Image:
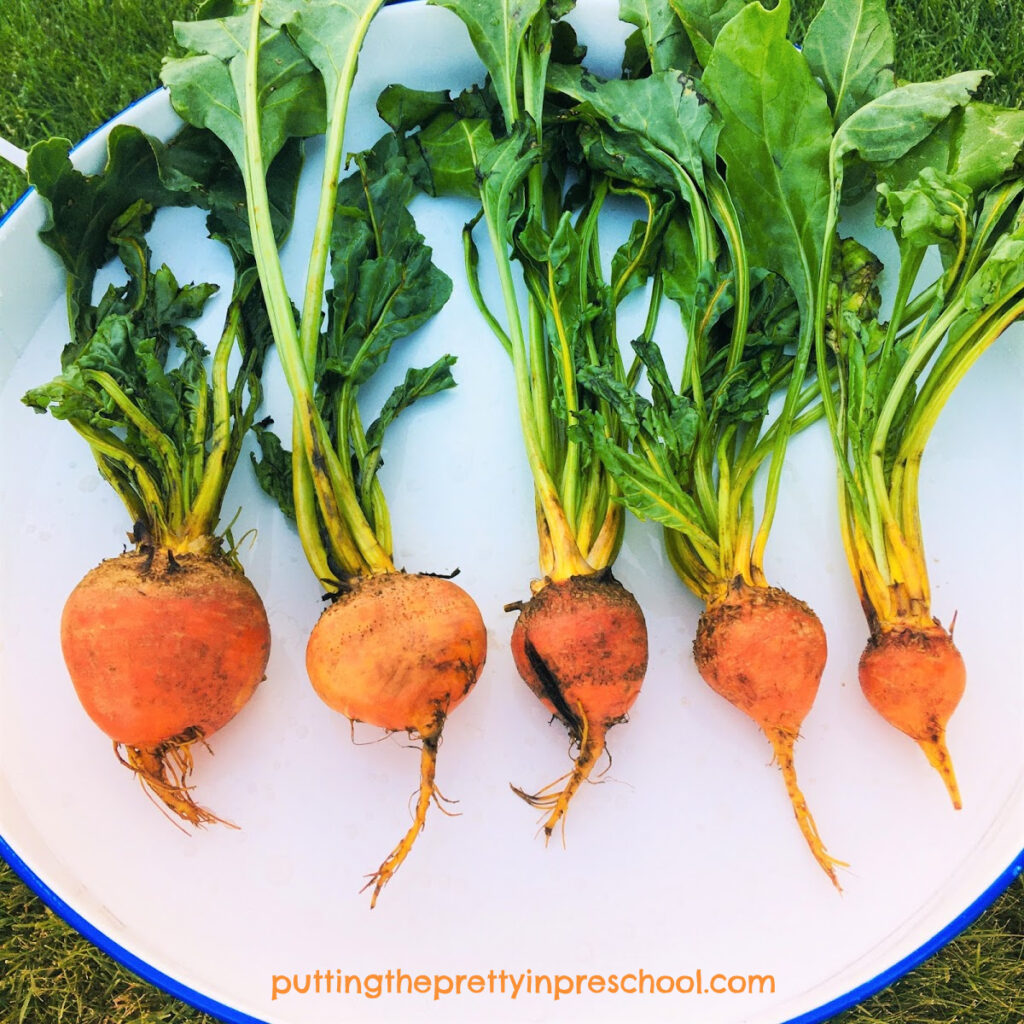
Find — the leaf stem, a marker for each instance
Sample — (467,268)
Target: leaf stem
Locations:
(350,537)
(316,272)
(160,442)
(205,509)
(566,558)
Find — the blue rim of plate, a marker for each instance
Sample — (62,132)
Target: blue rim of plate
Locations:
(206,1004)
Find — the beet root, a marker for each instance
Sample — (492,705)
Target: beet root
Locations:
(914,678)
(163,651)
(581,646)
(764,651)
(399,651)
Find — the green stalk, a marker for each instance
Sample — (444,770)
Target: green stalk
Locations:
(785,422)
(316,273)
(539,388)
(850,494)
(916,360)
(727,220)
(949,374)
(307,515)
(192,471)
(372,494)
(571,462)
(590,227)
(170,464)
(111,448)
(351,539)
(1004,195)
(136,508)
(650,323)
(703,477)
(697,566)
(473,279)
(918,306)
(205,509)
(820,314)
(910,266)
(592,508)
(567,559)
(726,545)
(534,57)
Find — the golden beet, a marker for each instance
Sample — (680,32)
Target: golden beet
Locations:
(162,652)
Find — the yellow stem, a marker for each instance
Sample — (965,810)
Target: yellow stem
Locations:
(163,771)
(591,748)
(938,757)
(427,792)
(782,741)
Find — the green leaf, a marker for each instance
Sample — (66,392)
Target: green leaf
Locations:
(134,376)
(207,85)
(565,46)
(649,491)
(130,347)
(636,61)
(385,285)
(628,158)
(679,268)
(934,209)
(667,109)
(629,408)
(704,19)
(497,29)
(323,30)
(417,384)
(201,157)
(775,144)
(1000,276)
(502,170)
(560,261)
(404,109)
(887,127)
(663,38)
(673,421)
(81,208)
(849,48)
(855,293)
(636,261)
(274,468)
(446,156)
(978,144)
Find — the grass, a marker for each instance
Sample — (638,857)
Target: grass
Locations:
(936,38)
(68,66)
(49,974)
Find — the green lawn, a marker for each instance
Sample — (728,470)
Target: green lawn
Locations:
(67,66)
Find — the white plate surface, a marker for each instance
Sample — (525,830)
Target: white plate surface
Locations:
(685,859)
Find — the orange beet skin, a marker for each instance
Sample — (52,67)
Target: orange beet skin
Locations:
(399,651)
(156,647)
(764,651)
(580,644)
(396,650)
(914,678)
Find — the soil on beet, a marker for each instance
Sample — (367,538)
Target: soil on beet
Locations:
(397,650)
(159,646)
(764,651)
(582,642)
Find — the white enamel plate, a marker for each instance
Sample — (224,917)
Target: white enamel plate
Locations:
(685,861)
